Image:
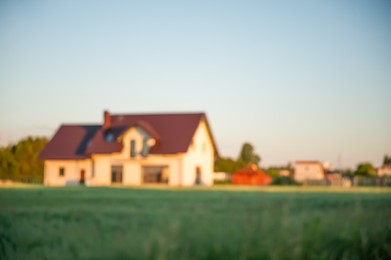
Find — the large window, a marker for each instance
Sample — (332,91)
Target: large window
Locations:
(116,174)
(133,148)
(155,174)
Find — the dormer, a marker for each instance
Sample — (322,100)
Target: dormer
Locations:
(137,140)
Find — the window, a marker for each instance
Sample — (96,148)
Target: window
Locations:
(133,148)
(198,176)
(61,172)
(155,174)
(116,174)
(204,147)
(109,137)
(145,150)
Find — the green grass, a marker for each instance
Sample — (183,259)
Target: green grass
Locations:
(129,223)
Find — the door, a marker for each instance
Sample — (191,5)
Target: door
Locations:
(198,175)
(82,177)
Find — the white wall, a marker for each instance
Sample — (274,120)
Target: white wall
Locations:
(308,171)
(384,171)
(72,169)
(132,174)
(200,154)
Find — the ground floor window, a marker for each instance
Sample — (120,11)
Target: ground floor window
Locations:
(116,174)
(155,174)
(61,171)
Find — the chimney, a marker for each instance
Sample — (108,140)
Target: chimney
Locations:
(106,119)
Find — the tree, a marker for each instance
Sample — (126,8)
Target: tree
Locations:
(8,164)
(273,172)
(365,169)
(386,160)
(20,161)
(227,165)
(248,156)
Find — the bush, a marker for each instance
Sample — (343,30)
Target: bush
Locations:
(284,180)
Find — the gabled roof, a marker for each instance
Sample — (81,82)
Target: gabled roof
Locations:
(248,170)
(308,162)
(69,142)
(173,133)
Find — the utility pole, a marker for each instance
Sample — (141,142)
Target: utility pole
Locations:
(339,161)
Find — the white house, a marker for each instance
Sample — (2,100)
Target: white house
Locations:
(132,149)
(309,171)
(385,170)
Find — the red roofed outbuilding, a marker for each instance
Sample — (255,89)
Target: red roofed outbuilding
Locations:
(251,175)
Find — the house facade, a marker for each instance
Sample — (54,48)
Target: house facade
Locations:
(309,171)
(132,149)
(385,170)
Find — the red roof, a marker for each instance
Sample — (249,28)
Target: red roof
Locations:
(173,132)
(308,162)
(250,176)
(69,142)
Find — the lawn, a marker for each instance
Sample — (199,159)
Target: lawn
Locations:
(129,223)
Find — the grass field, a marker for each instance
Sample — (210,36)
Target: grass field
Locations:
(125,223)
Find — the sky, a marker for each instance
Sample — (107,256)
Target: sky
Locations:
(300,80)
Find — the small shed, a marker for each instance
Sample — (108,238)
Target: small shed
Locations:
(251,175)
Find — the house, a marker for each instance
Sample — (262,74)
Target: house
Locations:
(336,178)
(384,170)
(132,149)
(251,175)
(284,173)
(309,171)
(221,177)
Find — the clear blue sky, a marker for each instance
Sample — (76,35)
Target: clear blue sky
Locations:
(297,79)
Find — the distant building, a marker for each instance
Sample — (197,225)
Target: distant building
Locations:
(284,173)
(132,149)
(309,171)
(251,175)
(385,170)
(328,167)
(221,177)
(335,178)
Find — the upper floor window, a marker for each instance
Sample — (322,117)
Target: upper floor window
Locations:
(145,150)
(61,171)
(133,148)
(109,137)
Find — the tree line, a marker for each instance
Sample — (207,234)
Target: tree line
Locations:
(20,162)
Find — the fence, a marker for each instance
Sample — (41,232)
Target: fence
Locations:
(22,180)
(357,181)
(384,181)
